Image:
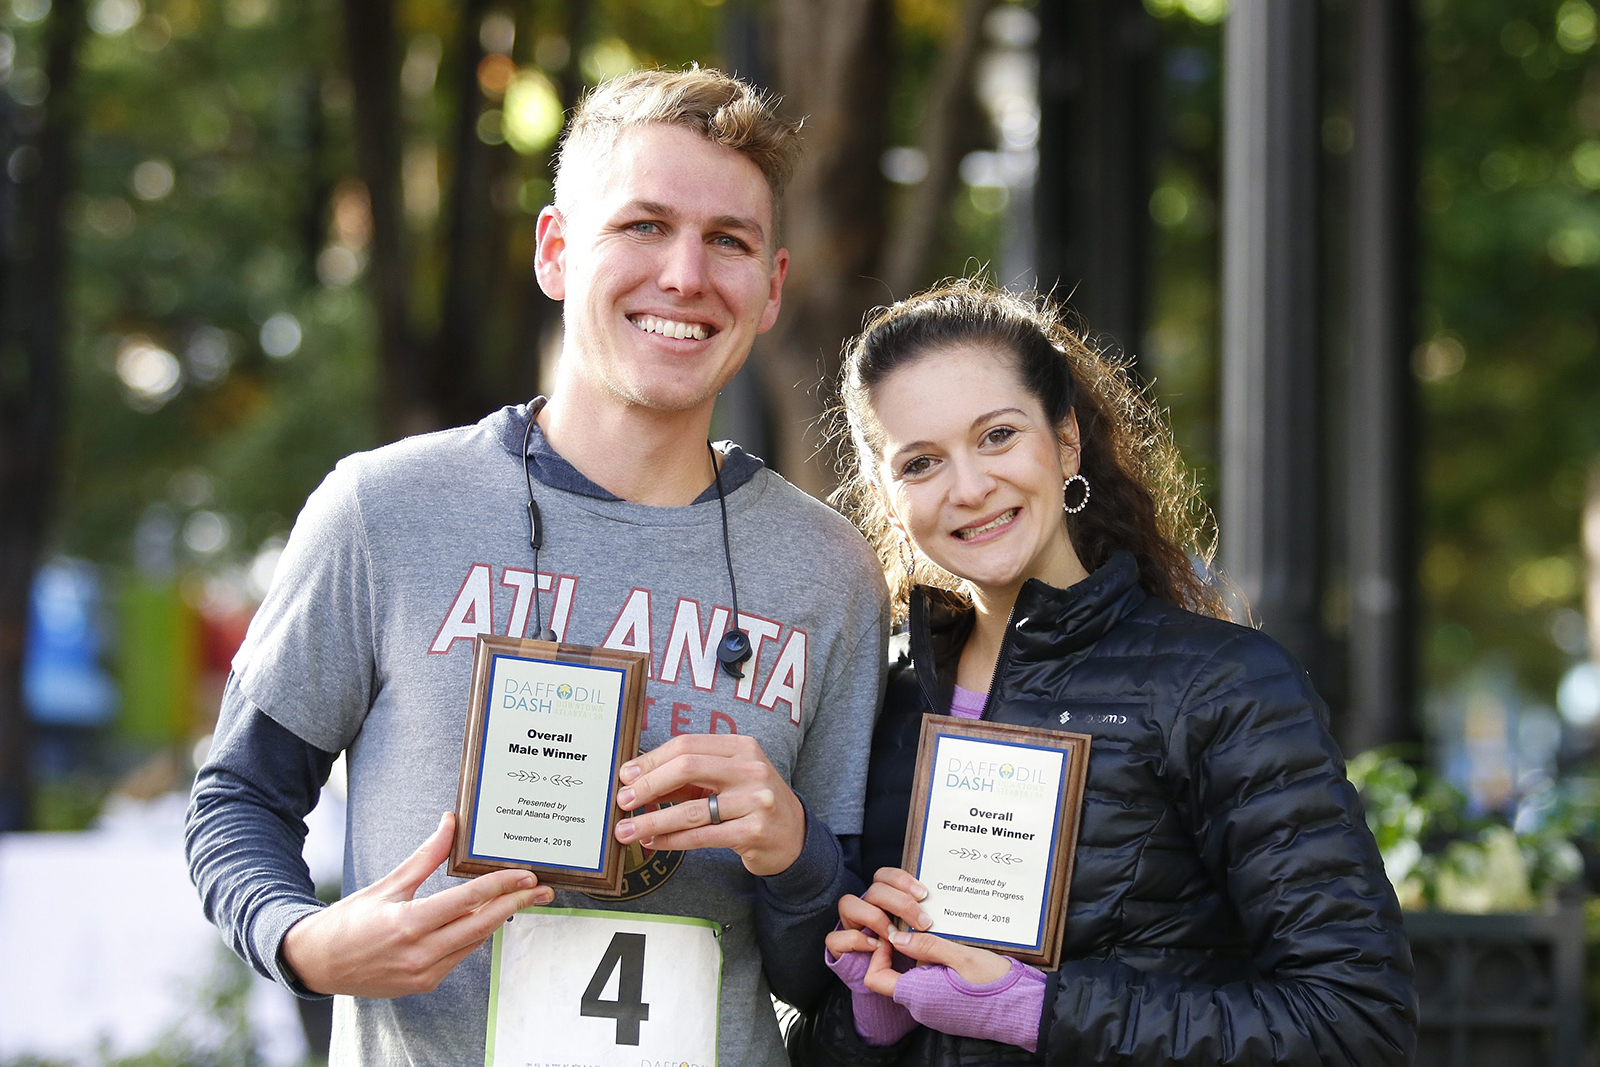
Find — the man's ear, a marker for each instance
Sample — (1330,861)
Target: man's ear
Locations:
(780,271)
(550,254)
(1071,445)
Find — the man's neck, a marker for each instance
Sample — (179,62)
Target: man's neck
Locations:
(639,454)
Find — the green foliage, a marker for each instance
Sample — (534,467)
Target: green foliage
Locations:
(1509,367)
(1180,352)
(67,803)
(1438,855)
(208,137)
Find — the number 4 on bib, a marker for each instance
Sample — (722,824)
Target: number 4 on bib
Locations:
(608,988)
(626,951)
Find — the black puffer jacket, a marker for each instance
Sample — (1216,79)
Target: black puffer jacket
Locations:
(1228,904)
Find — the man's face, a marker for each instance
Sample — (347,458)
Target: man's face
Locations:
(665,266)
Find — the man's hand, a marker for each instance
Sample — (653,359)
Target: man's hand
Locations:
(762,820)
(379,942)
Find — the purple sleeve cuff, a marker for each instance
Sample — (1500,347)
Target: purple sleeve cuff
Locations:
(879,1020)
(1007,1009)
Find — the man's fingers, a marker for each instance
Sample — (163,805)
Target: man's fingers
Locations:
(402,882)
(679,776)
(472,929)
(898,903)
(448,964)
(724,745)
(449,905)
(696,814)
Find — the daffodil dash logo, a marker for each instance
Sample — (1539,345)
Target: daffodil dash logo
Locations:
(552,698)
(1003,779)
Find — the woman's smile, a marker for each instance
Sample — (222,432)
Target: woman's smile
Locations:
(988,529)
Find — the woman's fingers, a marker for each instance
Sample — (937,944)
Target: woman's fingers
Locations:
(841,941)
(855,912)
(899,903)
(896,878)
(977,965)
(881,975)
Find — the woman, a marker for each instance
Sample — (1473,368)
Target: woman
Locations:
(1228,904)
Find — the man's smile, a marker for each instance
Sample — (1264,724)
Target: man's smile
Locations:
(674,328)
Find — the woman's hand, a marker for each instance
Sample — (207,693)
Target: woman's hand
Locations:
(868,922)
(977,965)
(868,919)
(893,894)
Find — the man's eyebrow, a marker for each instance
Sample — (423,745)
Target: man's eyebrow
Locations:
(980,420)
(648,207)
(739,222)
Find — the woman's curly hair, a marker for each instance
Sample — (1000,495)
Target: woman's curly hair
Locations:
(1143,499)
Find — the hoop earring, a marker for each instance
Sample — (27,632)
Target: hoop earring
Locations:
(1068,508)
(908,557)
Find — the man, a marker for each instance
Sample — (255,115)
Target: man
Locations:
(662,245)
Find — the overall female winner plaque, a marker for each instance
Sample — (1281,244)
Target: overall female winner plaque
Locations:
(547,729)
(993,829)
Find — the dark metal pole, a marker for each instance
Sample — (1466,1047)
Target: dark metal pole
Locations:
(1096,79)
(1382,478)
(1271,515)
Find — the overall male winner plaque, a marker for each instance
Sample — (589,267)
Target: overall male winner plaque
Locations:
(547,729)
(993,829)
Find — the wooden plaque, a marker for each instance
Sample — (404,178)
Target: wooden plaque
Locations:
(548,726)
(992,833)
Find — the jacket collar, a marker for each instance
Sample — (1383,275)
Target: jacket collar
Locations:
(1047,624)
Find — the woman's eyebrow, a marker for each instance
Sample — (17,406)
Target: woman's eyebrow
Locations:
(916,446)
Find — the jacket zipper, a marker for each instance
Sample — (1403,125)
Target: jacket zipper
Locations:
(1005,645)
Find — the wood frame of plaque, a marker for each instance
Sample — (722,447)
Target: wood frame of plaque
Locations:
(1069,809)
(634,667)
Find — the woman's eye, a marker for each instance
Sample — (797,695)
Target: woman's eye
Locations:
(915,467)
(999,435)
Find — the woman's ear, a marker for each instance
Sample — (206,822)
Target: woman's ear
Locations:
(894,518)
(1071,445)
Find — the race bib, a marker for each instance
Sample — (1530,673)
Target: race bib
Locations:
(573,987)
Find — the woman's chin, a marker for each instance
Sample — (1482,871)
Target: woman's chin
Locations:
(986,576)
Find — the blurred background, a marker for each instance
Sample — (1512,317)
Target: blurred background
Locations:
(1352,246)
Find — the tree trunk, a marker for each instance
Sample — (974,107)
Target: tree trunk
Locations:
(372,52)
(830,68)
(830,59)
(909,253)
(455,356)
(32,390)
(532,311)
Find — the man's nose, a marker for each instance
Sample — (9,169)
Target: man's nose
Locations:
(683,269)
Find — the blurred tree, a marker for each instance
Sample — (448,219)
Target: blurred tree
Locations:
(1510,362)
(850,249)
(37,126)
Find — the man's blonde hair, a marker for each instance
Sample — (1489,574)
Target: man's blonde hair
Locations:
(717,106)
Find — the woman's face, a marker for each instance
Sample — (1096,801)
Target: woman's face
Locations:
(973,469)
